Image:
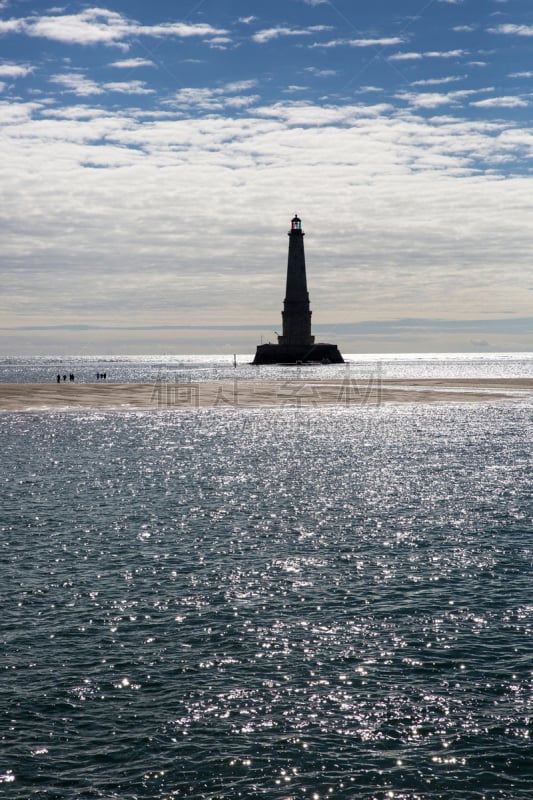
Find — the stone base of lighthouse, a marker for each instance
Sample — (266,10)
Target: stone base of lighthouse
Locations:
(321,352)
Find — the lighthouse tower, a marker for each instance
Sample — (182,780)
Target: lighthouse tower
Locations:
(296,313)
(297,344)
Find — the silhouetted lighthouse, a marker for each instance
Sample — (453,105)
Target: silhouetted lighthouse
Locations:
(296,344)
(296,313)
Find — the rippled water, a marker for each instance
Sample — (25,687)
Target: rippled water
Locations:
(196,368)
(267,604)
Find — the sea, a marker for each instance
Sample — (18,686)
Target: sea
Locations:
(289,603)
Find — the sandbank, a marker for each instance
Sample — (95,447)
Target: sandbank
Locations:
(260,393)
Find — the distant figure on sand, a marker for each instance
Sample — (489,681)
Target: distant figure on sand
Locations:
(59,378)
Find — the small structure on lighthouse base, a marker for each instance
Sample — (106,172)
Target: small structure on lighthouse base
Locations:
(297,344)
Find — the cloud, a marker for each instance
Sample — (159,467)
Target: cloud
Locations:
(133,63)
(9,26)
(501,102)
(220,42)
(128,87)
(321,73)
(294,88)
(267,34)
(78,84)
(429,54)
(377,42)
(100,26)
(435,99)
(238,86)
(513,30)
(438,81)
(74,112)
(230,95)
(15,70)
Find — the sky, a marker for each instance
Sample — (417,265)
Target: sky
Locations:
(153,154)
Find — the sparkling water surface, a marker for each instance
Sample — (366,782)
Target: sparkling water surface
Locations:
(194,368)
(267,603)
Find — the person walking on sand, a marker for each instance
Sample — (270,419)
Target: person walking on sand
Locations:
(59,378)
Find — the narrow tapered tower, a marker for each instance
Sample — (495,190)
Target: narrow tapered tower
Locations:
(297,344)
(296,313)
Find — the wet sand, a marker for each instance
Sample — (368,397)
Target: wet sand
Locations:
(257,394)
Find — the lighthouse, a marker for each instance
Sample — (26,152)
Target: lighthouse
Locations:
(297,344)
(296,314)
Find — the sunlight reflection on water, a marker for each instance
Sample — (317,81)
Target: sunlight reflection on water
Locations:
(267,604)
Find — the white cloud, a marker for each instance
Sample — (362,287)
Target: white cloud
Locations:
(128,87)
(133,63)
(501,102)
(9,26)
(435,99)
(513,30)
(377,42)
(75,112)
(14,70)
(405,57)
(100,26)
(240,101)
(76,83)
(15,113)
(220,42)
(247,20)
(430,99)
(237,86)
(428,54)
(438,81)
(216,98)
(267,34)
(321,73)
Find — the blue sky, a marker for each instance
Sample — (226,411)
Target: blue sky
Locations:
(153,155)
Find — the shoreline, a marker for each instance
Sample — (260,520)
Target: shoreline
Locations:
(258,393)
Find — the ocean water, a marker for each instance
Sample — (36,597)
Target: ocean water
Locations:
(284,604)
(194,368)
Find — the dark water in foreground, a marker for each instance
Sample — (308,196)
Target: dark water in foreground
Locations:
(267,604)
